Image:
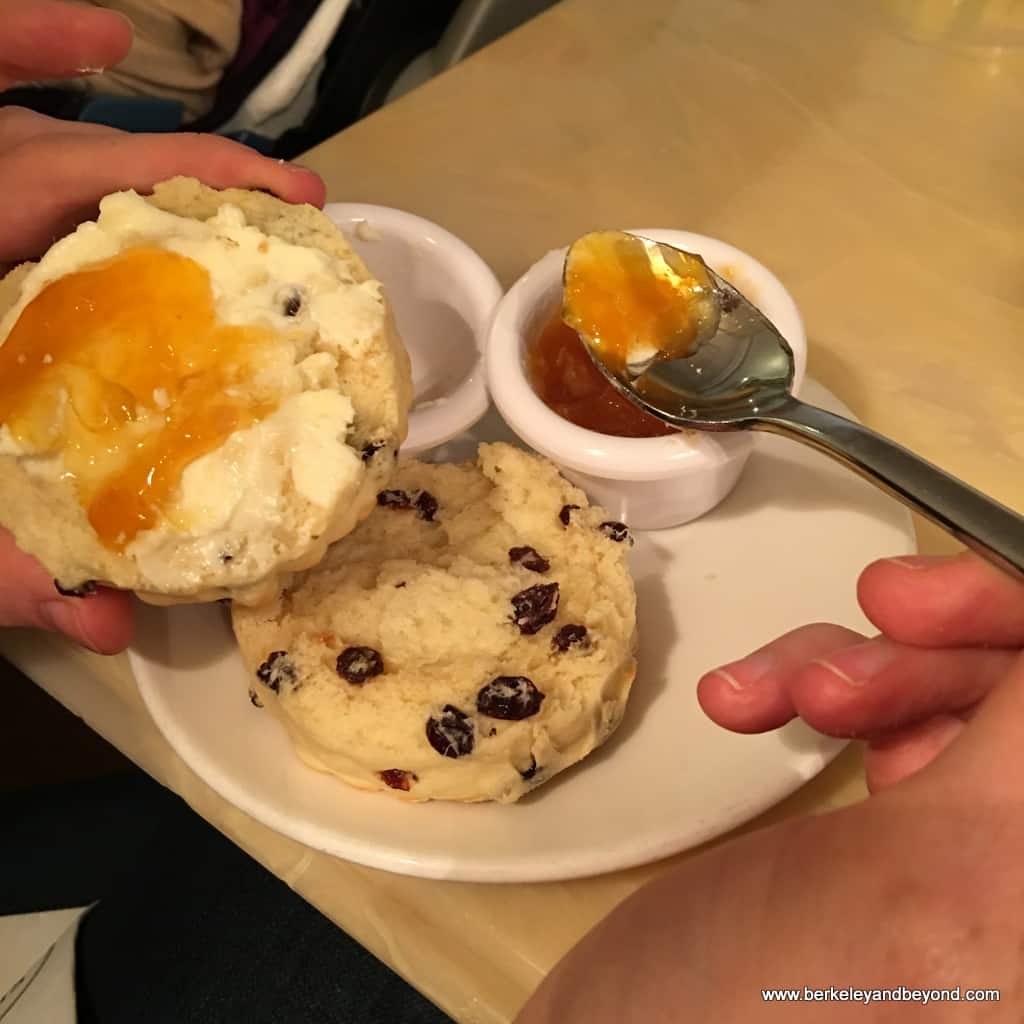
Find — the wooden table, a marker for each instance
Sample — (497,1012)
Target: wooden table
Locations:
(869,153)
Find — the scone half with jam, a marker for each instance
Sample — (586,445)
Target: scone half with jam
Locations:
(199,392)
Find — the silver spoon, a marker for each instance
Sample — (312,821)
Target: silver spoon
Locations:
(739,376)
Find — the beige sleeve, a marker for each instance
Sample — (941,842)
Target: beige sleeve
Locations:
(180,51)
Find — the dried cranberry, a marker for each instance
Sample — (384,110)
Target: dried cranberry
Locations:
(394,499)
(275,670)
(82,590)
(426,506)
(371,449)
(569,635)
(566,514)
(396,778)
(511,698)
(254,699)
(357,664)
(528,773)
(529,558)
(451,732)
(615,531)
(535,607)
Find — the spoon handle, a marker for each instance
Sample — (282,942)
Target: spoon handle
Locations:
(992,530)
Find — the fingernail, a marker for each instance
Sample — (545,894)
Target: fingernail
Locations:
(741,674)
(856,666)
(728,677)
(912,561)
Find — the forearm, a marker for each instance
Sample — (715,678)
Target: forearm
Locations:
(672,951)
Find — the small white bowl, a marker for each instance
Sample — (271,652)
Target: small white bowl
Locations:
(649,482)
(443,296)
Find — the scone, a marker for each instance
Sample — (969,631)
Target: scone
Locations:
(199,392)
(472,638)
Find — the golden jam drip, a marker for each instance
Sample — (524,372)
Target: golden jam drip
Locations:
(124,369)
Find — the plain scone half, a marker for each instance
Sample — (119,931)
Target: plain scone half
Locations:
(473,638)
(199,392)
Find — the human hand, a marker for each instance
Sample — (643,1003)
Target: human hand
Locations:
(100,620)
(918,887)
(951,628)
(52,175)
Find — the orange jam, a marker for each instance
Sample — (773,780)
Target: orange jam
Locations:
(124,369)
(628,299)
(562,373)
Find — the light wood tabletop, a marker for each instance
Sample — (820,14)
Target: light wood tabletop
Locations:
(869,153)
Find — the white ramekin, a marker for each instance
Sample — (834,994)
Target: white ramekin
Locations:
(649,483)
(443,295)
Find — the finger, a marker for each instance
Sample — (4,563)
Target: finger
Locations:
(982,767)
(102,620)
(943,602)
(896,756)
(221,163)
(752,694)
(50,39)
(18,125)
(60,180)
(877,686)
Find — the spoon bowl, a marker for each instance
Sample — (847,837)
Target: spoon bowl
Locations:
(746,368)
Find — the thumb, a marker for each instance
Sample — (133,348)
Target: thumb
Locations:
(985,763)
(100,619)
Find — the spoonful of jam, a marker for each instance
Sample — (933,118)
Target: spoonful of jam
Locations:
(687,347)
(635,302)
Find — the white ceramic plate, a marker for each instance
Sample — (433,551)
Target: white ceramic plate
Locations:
(782,550)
